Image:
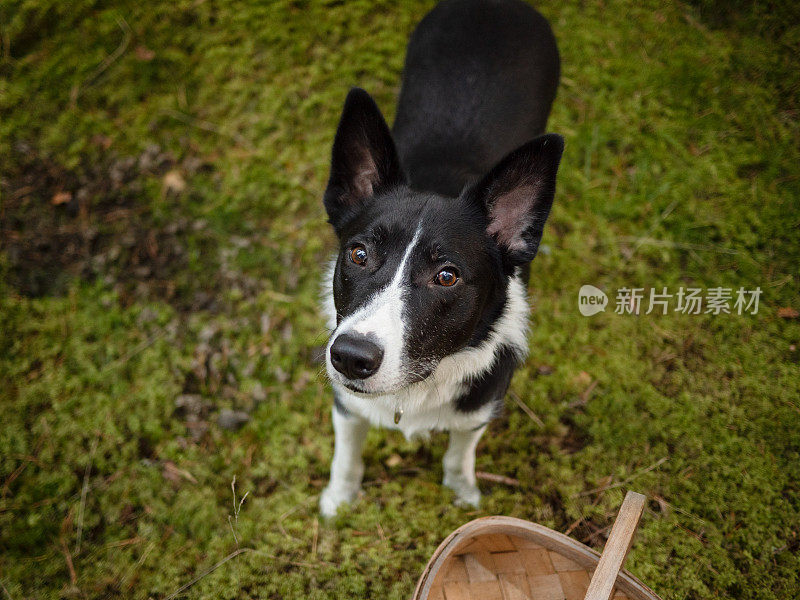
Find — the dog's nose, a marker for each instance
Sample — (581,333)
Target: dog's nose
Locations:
(355,356)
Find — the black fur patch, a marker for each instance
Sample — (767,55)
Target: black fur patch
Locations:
(492,386)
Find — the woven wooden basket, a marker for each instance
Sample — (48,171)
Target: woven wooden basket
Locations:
(502,558)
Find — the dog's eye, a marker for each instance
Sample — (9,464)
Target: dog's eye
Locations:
(358,254)
(447,277)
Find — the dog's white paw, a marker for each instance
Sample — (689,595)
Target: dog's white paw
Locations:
(468,498)
(467,494)
(331,499)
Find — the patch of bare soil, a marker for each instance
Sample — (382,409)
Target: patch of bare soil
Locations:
(94,221)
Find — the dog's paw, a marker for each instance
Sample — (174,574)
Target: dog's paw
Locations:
(468,498)
(331,499)
(467,495)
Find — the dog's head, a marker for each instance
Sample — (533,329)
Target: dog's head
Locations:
(421,276)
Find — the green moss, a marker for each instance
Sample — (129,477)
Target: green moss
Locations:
(681,168)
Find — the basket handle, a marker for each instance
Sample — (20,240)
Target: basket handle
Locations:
(619,542)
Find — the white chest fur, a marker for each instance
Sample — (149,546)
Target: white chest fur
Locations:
(424,409)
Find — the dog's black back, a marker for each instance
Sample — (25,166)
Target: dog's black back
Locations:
(479,80)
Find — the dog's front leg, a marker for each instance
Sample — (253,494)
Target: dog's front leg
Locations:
(459,466)
(347,467)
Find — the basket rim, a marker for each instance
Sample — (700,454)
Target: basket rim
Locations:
(548,538)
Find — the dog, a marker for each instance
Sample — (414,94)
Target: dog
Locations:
(438,221)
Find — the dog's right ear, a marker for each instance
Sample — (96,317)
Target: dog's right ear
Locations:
(364,159)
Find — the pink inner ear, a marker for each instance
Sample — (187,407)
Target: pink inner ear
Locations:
(362,182)
(510,215)
(365,176)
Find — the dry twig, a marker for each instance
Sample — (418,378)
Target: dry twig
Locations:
(210,127)
(186,586)
(106,62)
(84,492)
(647,241)
(526,409)
(494,478)
(73,577)
(6,591)
(626,481)
(315,538)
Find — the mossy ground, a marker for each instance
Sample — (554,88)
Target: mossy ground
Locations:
(185,145)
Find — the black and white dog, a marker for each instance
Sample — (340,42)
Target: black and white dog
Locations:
(438,221)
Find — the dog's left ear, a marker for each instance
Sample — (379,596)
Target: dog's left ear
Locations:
(364,159)
(517,195)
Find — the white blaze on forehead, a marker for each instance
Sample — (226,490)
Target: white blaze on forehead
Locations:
(382,319)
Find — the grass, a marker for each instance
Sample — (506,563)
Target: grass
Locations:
(185,146)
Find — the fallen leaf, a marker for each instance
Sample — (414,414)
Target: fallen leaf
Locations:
(787,312)
(101,141)
(172,473)
(394,460)
(583,379)
(144,53)
(61,198)
(174,182)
